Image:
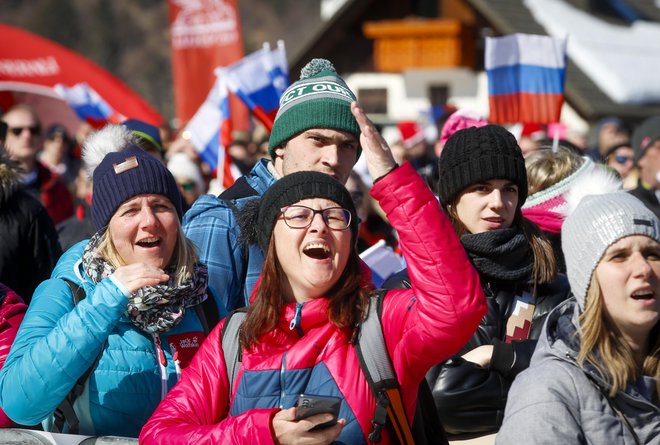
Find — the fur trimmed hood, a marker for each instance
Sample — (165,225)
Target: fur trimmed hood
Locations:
(10,178)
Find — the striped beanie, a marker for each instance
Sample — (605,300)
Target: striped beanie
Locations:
(320,99)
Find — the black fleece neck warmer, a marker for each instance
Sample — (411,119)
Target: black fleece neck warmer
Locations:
(503,254)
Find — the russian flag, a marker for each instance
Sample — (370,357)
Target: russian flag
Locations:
(259,79)
(88,105)
(525,78)
(210,133)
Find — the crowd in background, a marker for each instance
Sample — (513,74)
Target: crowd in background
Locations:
(53,195)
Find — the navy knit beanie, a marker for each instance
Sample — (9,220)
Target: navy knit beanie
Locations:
(125,174)
(295,187)
(475,155)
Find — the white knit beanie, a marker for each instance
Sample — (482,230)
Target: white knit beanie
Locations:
(181,166)
(597,222)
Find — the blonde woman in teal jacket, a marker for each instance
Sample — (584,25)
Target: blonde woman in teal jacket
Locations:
(142,286)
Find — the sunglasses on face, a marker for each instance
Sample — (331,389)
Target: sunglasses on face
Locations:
(621,159)
(301,217)
(187,186)
(17,131)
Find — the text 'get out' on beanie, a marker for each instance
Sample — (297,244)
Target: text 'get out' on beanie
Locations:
(597,222)
(320,99)
(478,154)
(125,174)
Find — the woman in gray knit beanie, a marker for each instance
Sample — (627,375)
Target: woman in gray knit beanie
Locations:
(595,374)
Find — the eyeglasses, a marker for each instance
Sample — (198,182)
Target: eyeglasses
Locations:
(621,159)
(301,217)
(17,131)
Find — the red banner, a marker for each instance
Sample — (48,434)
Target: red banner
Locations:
(205,34)
(31,67)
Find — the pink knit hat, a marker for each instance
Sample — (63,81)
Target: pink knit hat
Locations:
(459,120)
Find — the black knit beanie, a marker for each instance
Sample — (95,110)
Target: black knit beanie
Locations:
(125,174)
(475,155)
(295,187)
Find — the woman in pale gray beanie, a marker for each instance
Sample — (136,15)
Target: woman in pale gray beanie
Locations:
(595,374)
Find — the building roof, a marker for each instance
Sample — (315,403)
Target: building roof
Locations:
(341,40)
(511,16)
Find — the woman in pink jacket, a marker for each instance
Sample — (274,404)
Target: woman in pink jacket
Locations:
(297,334)
(12,311)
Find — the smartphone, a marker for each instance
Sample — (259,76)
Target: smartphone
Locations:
(310,404)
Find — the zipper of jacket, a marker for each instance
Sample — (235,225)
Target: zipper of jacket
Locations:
(282,390)
(162,366)
(296,322)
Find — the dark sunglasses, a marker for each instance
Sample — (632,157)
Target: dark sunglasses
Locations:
(17,131)
(188,186)
(621,159)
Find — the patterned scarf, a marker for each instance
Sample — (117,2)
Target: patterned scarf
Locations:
(503,254)
(152,308)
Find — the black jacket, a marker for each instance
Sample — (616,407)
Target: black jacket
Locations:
(470,399)
(648,197)
(28,241)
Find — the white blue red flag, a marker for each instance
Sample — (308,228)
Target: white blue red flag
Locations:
(88,105)
(259,79)
(382,261)
(210,132)
(525,78)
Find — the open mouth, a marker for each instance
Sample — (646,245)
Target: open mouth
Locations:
(149,242)
(643,295)
(317,251)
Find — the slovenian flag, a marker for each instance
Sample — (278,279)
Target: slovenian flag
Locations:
(525,78)
(210,133)
(259,79)
(88,105)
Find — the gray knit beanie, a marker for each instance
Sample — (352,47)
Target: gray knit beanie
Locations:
(320,99)
(598,222)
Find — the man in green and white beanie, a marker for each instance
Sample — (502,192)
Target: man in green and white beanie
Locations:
(320,99)
(314,130)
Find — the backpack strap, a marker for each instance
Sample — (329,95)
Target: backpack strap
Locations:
(64,411)
(240,189)
(377,367)
(231,346)
(207,312)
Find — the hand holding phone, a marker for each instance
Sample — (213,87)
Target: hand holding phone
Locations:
(310,404)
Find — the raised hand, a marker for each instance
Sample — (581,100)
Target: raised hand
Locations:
(380,160)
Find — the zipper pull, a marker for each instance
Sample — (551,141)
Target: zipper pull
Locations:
(177,363)
(162,366)
(296,322)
